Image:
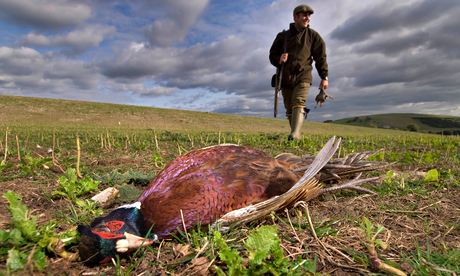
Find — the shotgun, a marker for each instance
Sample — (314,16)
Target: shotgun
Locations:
(279,78)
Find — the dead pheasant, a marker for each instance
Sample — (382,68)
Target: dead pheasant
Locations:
(225,184)
(322,97)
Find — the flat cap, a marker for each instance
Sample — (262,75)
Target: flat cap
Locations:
(303,8)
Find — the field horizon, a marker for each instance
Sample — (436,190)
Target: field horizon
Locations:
(55,113)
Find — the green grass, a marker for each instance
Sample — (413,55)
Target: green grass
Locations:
(429,262)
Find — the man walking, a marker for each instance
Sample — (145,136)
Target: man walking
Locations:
(297,48)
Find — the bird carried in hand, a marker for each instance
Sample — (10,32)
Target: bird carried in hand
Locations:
(322,97)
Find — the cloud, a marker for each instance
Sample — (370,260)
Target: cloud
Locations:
(160,90)
(391,15)
(142,89)
(20,61)
(394,28)
(174,26)
(219,66)
(245,106)
(397,57)
(26,69)
(77,40)
(80,74)
(44,13)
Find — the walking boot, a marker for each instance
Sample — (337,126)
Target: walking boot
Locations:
(298,116)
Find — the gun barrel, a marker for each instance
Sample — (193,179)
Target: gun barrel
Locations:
(279,77)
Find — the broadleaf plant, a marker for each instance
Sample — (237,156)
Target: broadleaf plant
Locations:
(26,242)
(264,255)
(71,187)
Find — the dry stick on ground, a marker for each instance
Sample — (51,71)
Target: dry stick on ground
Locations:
(377,263)
(53,156)
(102,141)
(17,145)
(186,271)
(293,229)
(108,141)
(329,258)
(179,149)
(156,142)
(305,205)
(214,259)
(203,248)
(287,250)
(191,140)
(78,157)
(30,262)
(6,145)
(183,224)
(423,208)
(159,250)
(105,142)
(126,142)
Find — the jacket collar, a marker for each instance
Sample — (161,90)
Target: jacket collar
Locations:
(294,28)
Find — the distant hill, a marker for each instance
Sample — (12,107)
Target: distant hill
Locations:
(447,125)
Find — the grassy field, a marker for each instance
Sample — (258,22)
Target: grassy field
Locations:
(35,113)
(448,125)
(413,221)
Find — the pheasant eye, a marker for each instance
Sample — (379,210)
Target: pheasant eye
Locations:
(114,225)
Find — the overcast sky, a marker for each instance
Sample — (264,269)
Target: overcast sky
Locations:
(384,56)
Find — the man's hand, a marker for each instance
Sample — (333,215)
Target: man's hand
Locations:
(324,84)
(283,58)
(322,97)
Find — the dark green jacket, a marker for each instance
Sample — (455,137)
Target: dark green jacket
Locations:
(303,48)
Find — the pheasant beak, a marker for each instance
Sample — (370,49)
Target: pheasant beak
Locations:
(132,241)
(57,246)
